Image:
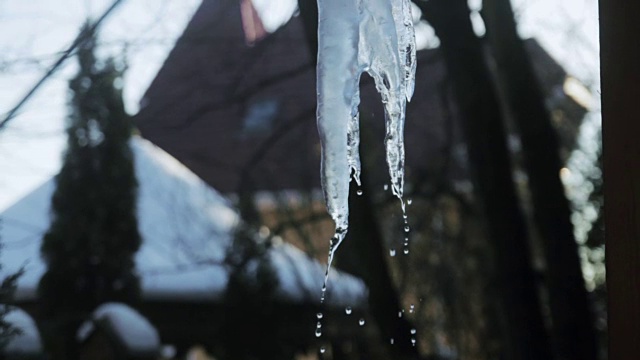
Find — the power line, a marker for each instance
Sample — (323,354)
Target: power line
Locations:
(79,40)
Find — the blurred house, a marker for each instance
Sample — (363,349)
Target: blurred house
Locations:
(238,108)
(243,115)
(187,230)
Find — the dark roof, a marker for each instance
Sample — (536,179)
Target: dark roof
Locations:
(230,111)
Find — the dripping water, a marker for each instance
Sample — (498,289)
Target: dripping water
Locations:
(336,240)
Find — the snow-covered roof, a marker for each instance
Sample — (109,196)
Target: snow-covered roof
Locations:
(186,228)
(27,342)
(127,326)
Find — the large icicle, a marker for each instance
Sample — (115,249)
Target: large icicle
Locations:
(355,36)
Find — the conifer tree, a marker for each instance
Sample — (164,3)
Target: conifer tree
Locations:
(7,292)
(90,246)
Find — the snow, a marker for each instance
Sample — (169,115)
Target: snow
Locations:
(355,36)
(28,342)
(308,276)
(132,330)
(186,228)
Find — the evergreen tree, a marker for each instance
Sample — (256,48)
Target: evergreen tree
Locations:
(90,246)
(7,291)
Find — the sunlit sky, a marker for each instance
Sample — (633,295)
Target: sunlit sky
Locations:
(142,32)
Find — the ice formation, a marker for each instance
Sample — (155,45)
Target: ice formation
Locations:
(355,36)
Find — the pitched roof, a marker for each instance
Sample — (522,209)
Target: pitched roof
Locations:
(243,116)
(228,110)
(186,228)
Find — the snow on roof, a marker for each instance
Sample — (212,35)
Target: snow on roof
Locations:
(27,342)
(186,228)
(129,328)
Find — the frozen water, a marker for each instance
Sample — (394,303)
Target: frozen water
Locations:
(355,36)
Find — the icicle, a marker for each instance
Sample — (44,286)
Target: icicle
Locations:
(355,36)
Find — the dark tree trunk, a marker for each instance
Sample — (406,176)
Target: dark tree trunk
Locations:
(620,56)
(522,326)
(309,15)
(573,332)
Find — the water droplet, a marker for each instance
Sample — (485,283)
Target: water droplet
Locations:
(406,251)
(413,331)
(386,187)
(322,350)
(318,332)
(319,315)
(406,228)
(361,322)
(392,341)
(409,201)
(392,252)
(348,310)
(318,325)
(413,341)
(359,192)
(412,308)
(399,314)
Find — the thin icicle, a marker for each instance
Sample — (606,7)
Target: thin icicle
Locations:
(356,36)
(353,138)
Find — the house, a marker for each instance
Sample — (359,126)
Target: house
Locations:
(238,109)
(187,229)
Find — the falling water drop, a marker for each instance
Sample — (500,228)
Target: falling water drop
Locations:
(412,308)
(406,251)
(409,201)
(319,315)
(386,187)
(318,332)
(359,192)
(392,252)
(399,314)
(406,228)
(348,310)
(319,325)
(413,331)
(392,341)
(413,341)
(361,322)
(322,350)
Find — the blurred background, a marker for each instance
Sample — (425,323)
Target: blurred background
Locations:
(160,192)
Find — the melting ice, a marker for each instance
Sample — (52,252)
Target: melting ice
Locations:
(356,36)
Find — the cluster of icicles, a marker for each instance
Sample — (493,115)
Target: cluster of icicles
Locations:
(356,36)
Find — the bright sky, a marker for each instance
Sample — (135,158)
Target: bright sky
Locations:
(33,33)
